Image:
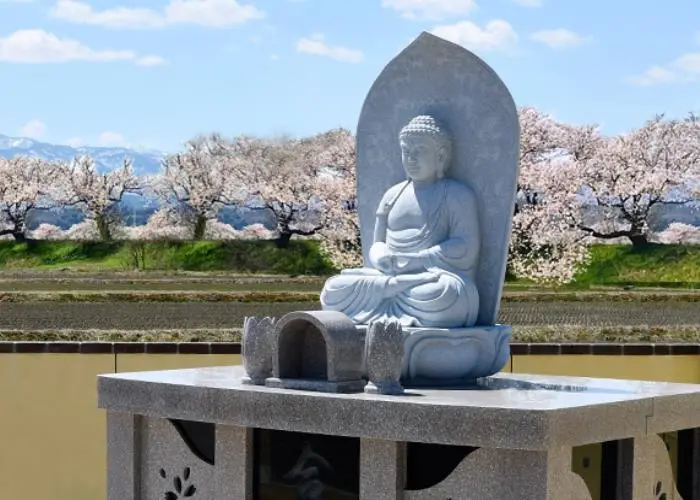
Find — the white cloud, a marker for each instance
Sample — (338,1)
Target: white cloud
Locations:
(530,3)
(210,13)
(496,35)
(684,69)
(150,61)
(38,46)
(111,139)
(34,129)
(654,76)
(430,9)
(274,57)
(688,63)
(560,38)
(316,45)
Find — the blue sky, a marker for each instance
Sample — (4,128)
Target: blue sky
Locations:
(155,73)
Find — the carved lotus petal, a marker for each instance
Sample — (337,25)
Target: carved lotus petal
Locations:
(384,350)
(257,346)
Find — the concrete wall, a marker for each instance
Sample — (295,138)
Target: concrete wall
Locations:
(53,436)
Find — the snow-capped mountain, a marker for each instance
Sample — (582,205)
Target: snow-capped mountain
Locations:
(146,162)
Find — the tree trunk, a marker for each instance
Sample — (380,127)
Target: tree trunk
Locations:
(200,227)
(283,240)
(103,228)
(638,239)
(18,231)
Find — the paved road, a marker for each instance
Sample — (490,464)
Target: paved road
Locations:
(164,315)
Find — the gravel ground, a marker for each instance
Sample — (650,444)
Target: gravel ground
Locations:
(164,315)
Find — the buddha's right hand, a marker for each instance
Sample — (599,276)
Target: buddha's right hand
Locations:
(386,263)
(381,258)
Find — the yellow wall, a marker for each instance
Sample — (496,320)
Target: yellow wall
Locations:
(587,462)
(51,432)
(143,362)
(53,437)
(685,369)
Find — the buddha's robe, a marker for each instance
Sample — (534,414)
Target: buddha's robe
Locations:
(439,222)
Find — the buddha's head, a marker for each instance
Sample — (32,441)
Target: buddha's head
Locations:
(426,149)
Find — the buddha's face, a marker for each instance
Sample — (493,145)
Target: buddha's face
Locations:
(423,158)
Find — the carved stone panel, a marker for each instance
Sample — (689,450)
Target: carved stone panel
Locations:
(168,468)
(492,474)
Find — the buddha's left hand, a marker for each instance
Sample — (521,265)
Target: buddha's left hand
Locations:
(408,262)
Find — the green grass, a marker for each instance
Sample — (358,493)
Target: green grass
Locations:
(659,266)
(650,266)
(302,257)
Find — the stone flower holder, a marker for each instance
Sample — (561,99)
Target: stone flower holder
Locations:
(384,356)
(257,349)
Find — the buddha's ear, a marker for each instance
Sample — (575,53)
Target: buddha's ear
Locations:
(443,153)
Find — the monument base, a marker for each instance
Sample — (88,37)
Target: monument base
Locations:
(343,386)
(510,437)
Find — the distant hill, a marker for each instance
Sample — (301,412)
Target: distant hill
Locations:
(106,159)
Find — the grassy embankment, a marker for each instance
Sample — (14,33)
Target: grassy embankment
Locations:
(302,257)
(667,266)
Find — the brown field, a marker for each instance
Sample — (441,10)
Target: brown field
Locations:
(227,315)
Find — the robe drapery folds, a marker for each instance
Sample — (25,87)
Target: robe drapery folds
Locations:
(447,239)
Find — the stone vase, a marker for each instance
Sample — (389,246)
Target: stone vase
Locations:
(257,349)
(384,357)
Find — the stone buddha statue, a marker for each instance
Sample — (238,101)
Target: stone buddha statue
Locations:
(425,249)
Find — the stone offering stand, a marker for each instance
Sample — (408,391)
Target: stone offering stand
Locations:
(392,391)
(510,436)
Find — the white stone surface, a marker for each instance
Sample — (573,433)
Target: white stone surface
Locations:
(569,411)
(439,356)
(438,78)
(425,251)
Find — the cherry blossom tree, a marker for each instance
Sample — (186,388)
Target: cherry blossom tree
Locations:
(627,177)
(83,231)
(46,232)
(200,180)
(255,231)
(24,185)
(96,193)
(165,224)
(340,234)
(303,182)
(679,232)
(545,247)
